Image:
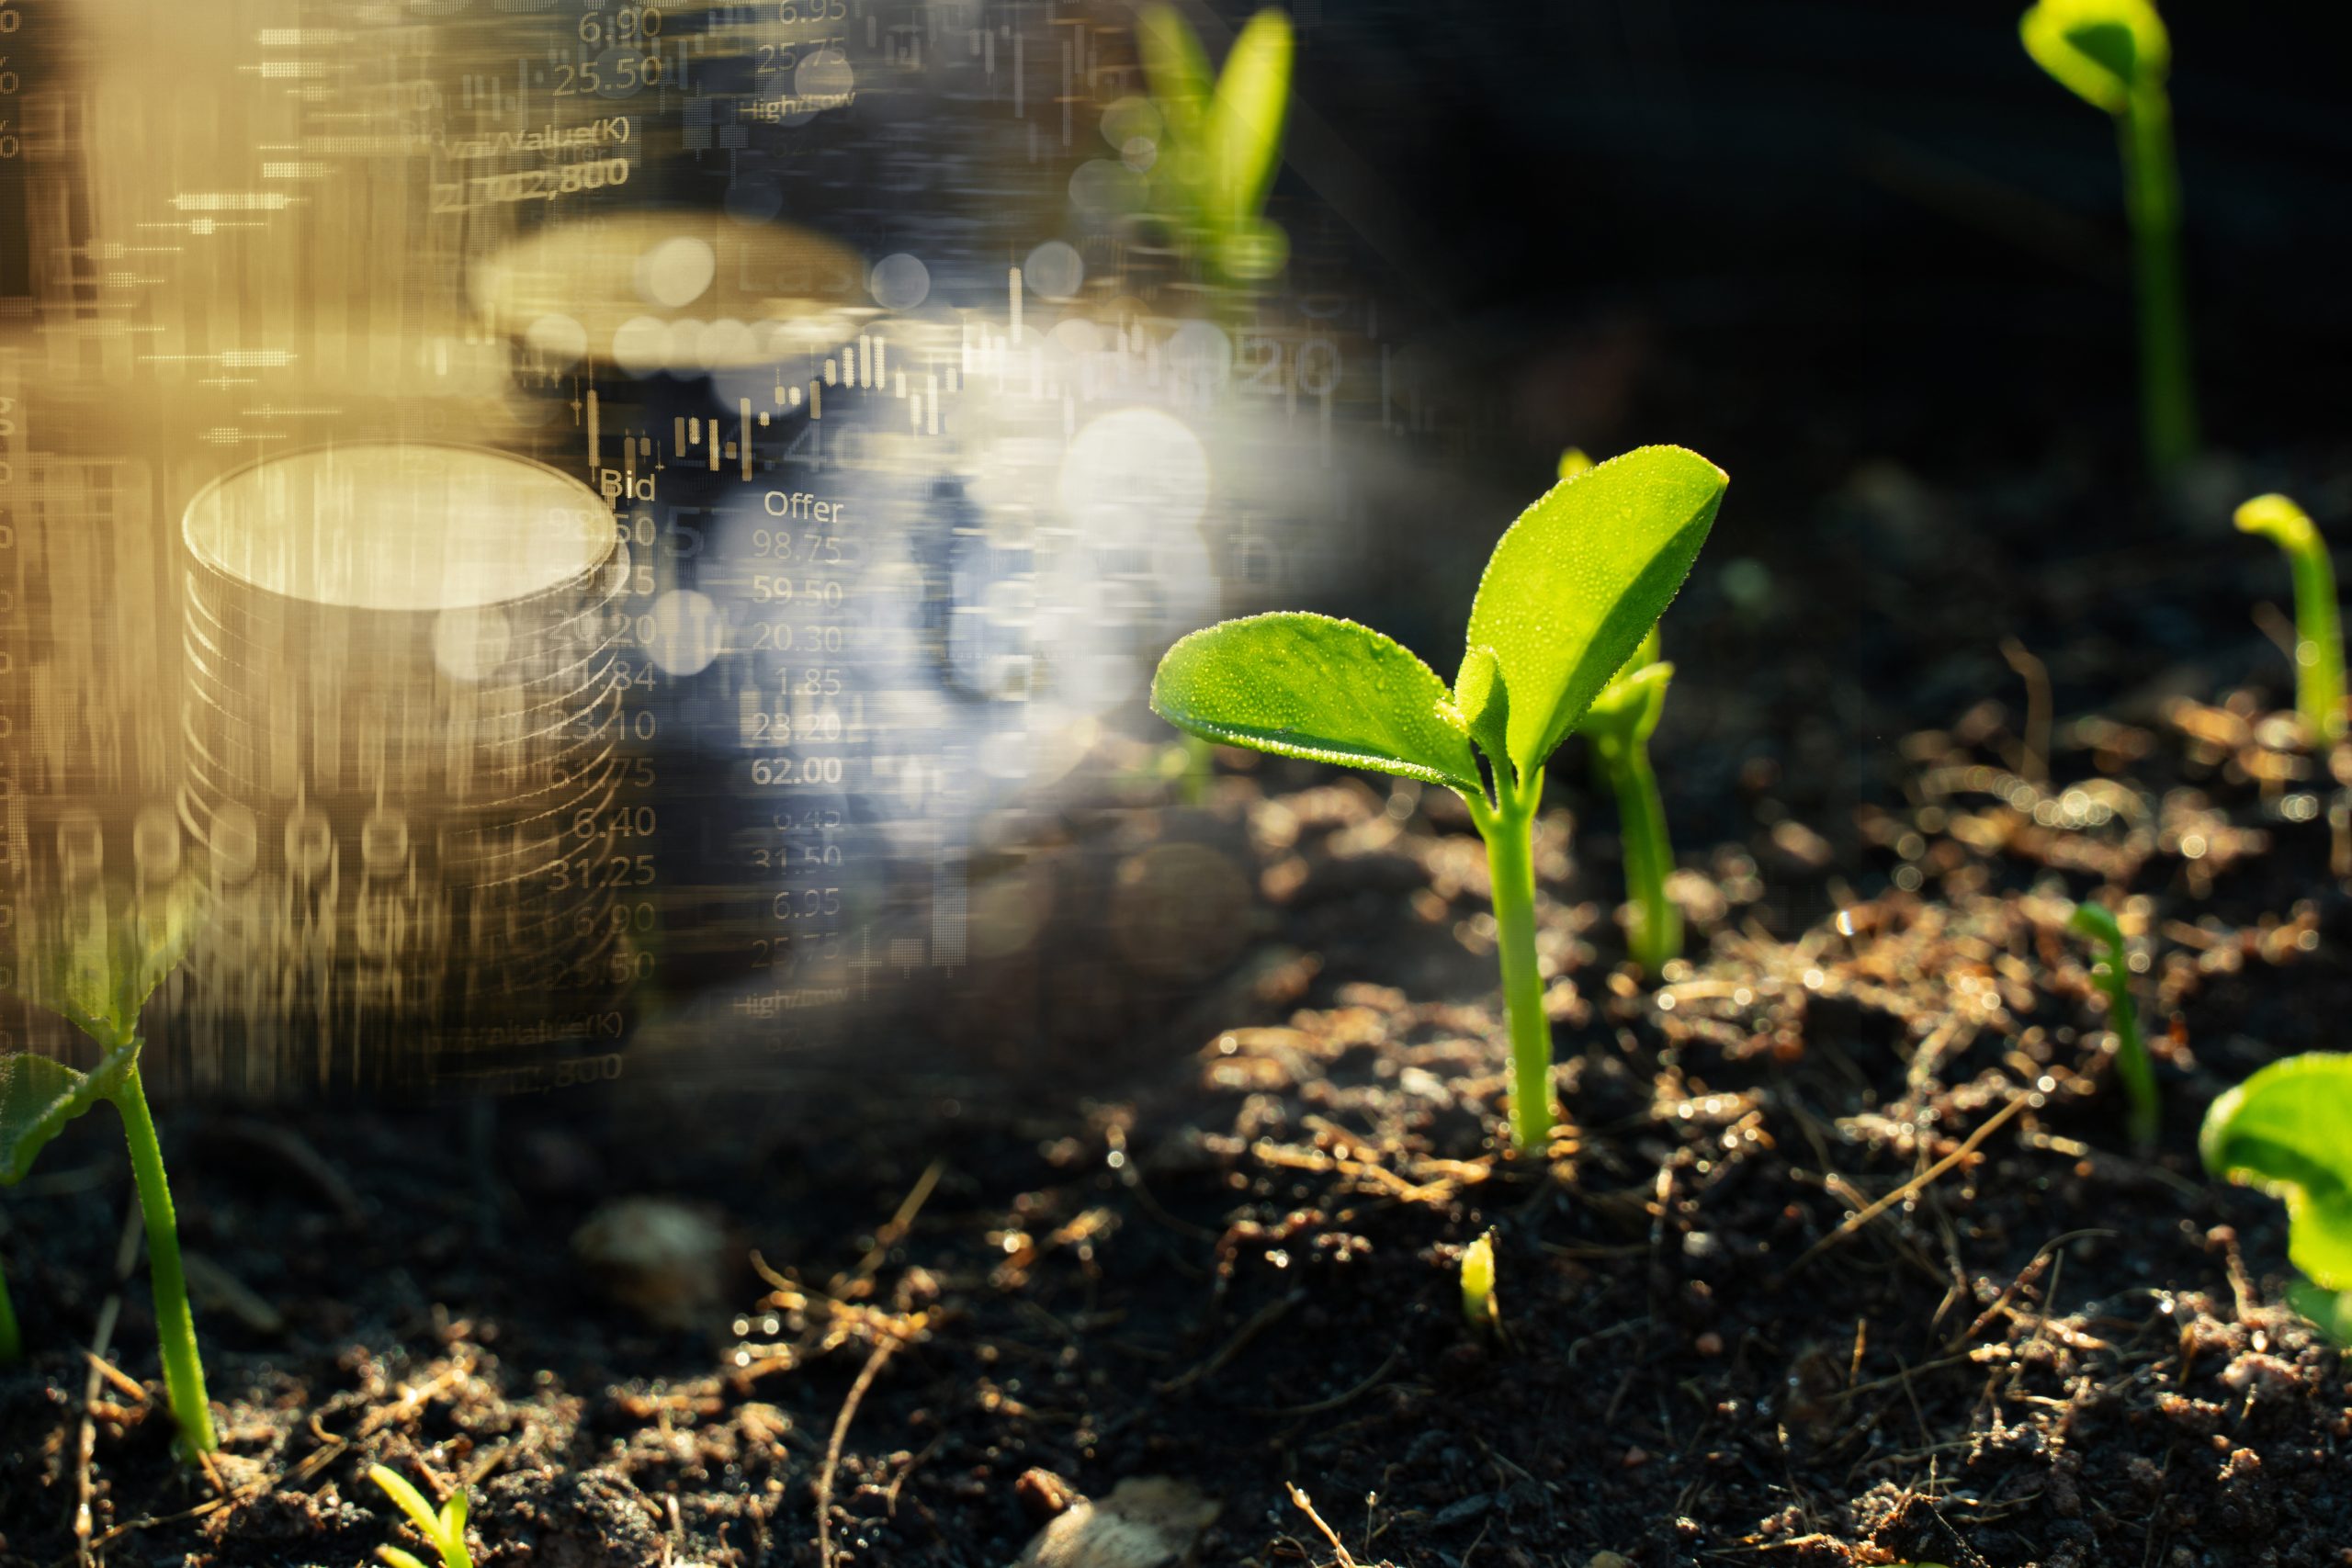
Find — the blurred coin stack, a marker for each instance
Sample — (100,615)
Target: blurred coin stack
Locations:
(403,746)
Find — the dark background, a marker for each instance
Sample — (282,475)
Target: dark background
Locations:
(1846,230)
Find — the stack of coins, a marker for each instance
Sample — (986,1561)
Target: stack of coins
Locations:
(401,738)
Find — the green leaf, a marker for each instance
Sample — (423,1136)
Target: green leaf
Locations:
(39,1095)
(1302,685)
(2101,50)
(1629,707)
(1243,133)
(396,1558)
(94,954)
(2284,1129)
(410,1500)
(1579,580)
(1176,70)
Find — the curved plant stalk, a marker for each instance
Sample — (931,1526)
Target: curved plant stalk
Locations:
(2115,54)
(2112,973)
(1570,591)
(2319,630)
(1619,726)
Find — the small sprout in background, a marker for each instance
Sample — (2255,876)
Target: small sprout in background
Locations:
(12,1339)
(2319,630)
(1573,462)
(1480,1310)
(1221,144)
(445,1529)
(2114,54)
(2111,972)
(1619,726)
(1571,590)
(2288,1130)
(93,958)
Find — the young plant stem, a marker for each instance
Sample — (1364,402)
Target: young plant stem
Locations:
(1198,766)
(2143,1107)
(12,1339)
(2319,640)
(1656,934)
(2152,192)
(1510,831)
(175,1326)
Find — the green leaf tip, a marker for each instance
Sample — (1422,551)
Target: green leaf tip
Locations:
(1582,577)
(2283,1131)
(2277,519)
(1175,68)
(1243,133)
(1305,685)
(2101,50)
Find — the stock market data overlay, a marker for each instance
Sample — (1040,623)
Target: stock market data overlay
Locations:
(561,534)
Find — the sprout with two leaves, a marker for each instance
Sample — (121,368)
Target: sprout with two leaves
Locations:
(2114,55)
(1219,145)
(1569,593)
(94,961)
(444,1528)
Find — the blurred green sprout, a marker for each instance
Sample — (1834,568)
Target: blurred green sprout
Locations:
(2111,973)
(444,1530)
(1570,591)
(94,957)
(2288,1130)
(1619,727)
(2114,55)
(1220,144)
(1480,1310)
(2319,630)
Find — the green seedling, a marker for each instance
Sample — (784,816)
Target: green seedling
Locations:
(1479,1308)
(2319,631)
(1619,727)
(2114,54)
(95,966)
(1571,590)
(1573,462)
(1219,145)
(2111,972)
(445,1529)
(12,1337)
(2283,1130)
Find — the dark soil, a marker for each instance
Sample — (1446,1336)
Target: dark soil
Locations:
(1841,1256)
